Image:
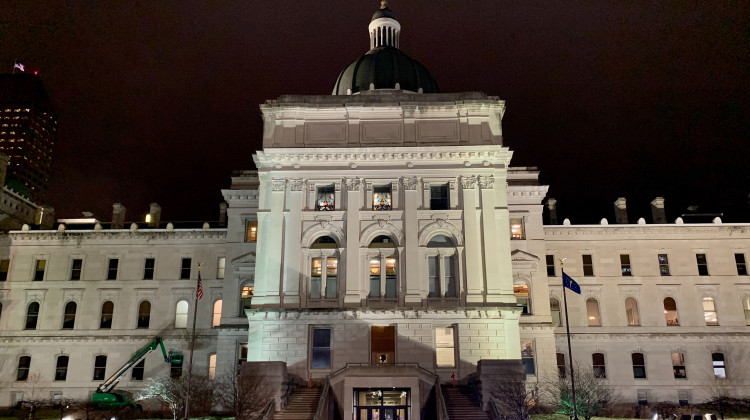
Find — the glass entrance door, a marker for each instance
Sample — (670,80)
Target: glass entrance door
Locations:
(382,404)
(382,413)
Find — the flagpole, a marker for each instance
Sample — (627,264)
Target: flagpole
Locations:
(192,343)
(570,350)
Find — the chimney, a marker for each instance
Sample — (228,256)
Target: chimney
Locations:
(621,211)
(552,207)
(154,215)
(4,160)
(657,210)
(223,213)
(118,216)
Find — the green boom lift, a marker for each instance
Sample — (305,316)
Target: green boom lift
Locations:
(105,398)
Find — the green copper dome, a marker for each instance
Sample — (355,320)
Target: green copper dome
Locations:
(385,67)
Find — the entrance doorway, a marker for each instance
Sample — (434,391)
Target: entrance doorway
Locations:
(382,404)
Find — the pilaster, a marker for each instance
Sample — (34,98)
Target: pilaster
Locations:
(414,294)
(293,223)
(473,242)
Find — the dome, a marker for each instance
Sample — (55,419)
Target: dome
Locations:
(384,13)
(384,67)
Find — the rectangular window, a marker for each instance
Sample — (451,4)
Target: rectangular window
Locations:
(683,397)
(600,370)
(625,265)
(148,269)
(375,278)
(332,269)
(663,264)
(4,264)
(112,269)
(381,197)
(212,366)
(561,365)
(639,366)
(221,264)
(527,357)
(720,369)
(61,369)
(24,364)
(678,366)
(445,353)
(702,264)
(739,259)
(433,271)
(588,265)
(137,373)
(390,278)
(185,268)
(251,231)
(521,291)
(709,312)
(439,197)
(451,288)
(643,397)
(321,348)
(76,268)
(516,228)
(241,357)
(316,278)
(100,368)
(550,265)
(326,198)
(39,267)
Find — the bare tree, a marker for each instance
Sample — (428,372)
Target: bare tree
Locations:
(512,397)
(592,394)
(244,396)
(665,409)
(173,393)
(722,402)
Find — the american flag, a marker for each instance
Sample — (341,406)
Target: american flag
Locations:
(199,292)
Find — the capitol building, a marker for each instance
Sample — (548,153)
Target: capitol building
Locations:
(380,241)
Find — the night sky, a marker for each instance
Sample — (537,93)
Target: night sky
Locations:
(158,100)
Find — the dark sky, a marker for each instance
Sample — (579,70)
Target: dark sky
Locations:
(158,100)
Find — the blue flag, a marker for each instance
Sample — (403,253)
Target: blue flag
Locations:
(571,284)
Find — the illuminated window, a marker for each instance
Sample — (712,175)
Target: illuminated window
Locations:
(39,267)
(588,265)
(383,344)
(217,314)
(136,374)
(550,259)
(212,366)
(144,314)
(112,269)
(746,307)
(631,311)
(720,369)
(105,322)
(247,296)
(61,368)
(148,269)
(702,264)
(639,365)
(181,314)
(100,367)
(625,265)
(69,317)
(439,198)
(600,370)
(445,353)
(324,269)
(441,268)
(32,315)
(24,364)
(221,263)
(592,313)
(561,365)
(382,272)
(663,264)
(739,259)
(251,231)
(523,301)
(670,312)
(321,348)
(325,200)
(554,306)
(185,267)
(678,365)
(381,197)
(527,357)
(516,228)
(76,268)
(709,311)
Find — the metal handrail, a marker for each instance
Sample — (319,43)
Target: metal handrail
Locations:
(290,385)
(323,399)
(269,411)
(493,410)
(441,400)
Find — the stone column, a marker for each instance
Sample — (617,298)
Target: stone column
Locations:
(496,231)
(472,242)
(293,233)
(354,293)
(414,292)
(270,234)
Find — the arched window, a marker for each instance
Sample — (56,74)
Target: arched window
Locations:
(709,311)
(383,281)
(746,307)
(440,241)
(217,314)
(24,364)
(69,318)
(523,298)
(720,369)
(324,267)
(61,368)
(554,306)
(631,312)
(32,315)
(246,297)
(670,311)
(181,314)
(639,366)
(592,313)
(108,309)
(600,370)
(441,267)
(144,314)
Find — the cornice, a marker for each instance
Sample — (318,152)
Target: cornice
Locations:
(120,234)
(531,191)
(738,230)
(488,314)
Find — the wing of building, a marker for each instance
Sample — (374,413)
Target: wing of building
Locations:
(383,246)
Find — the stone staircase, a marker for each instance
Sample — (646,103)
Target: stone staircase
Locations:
(302,404)
(460,406)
